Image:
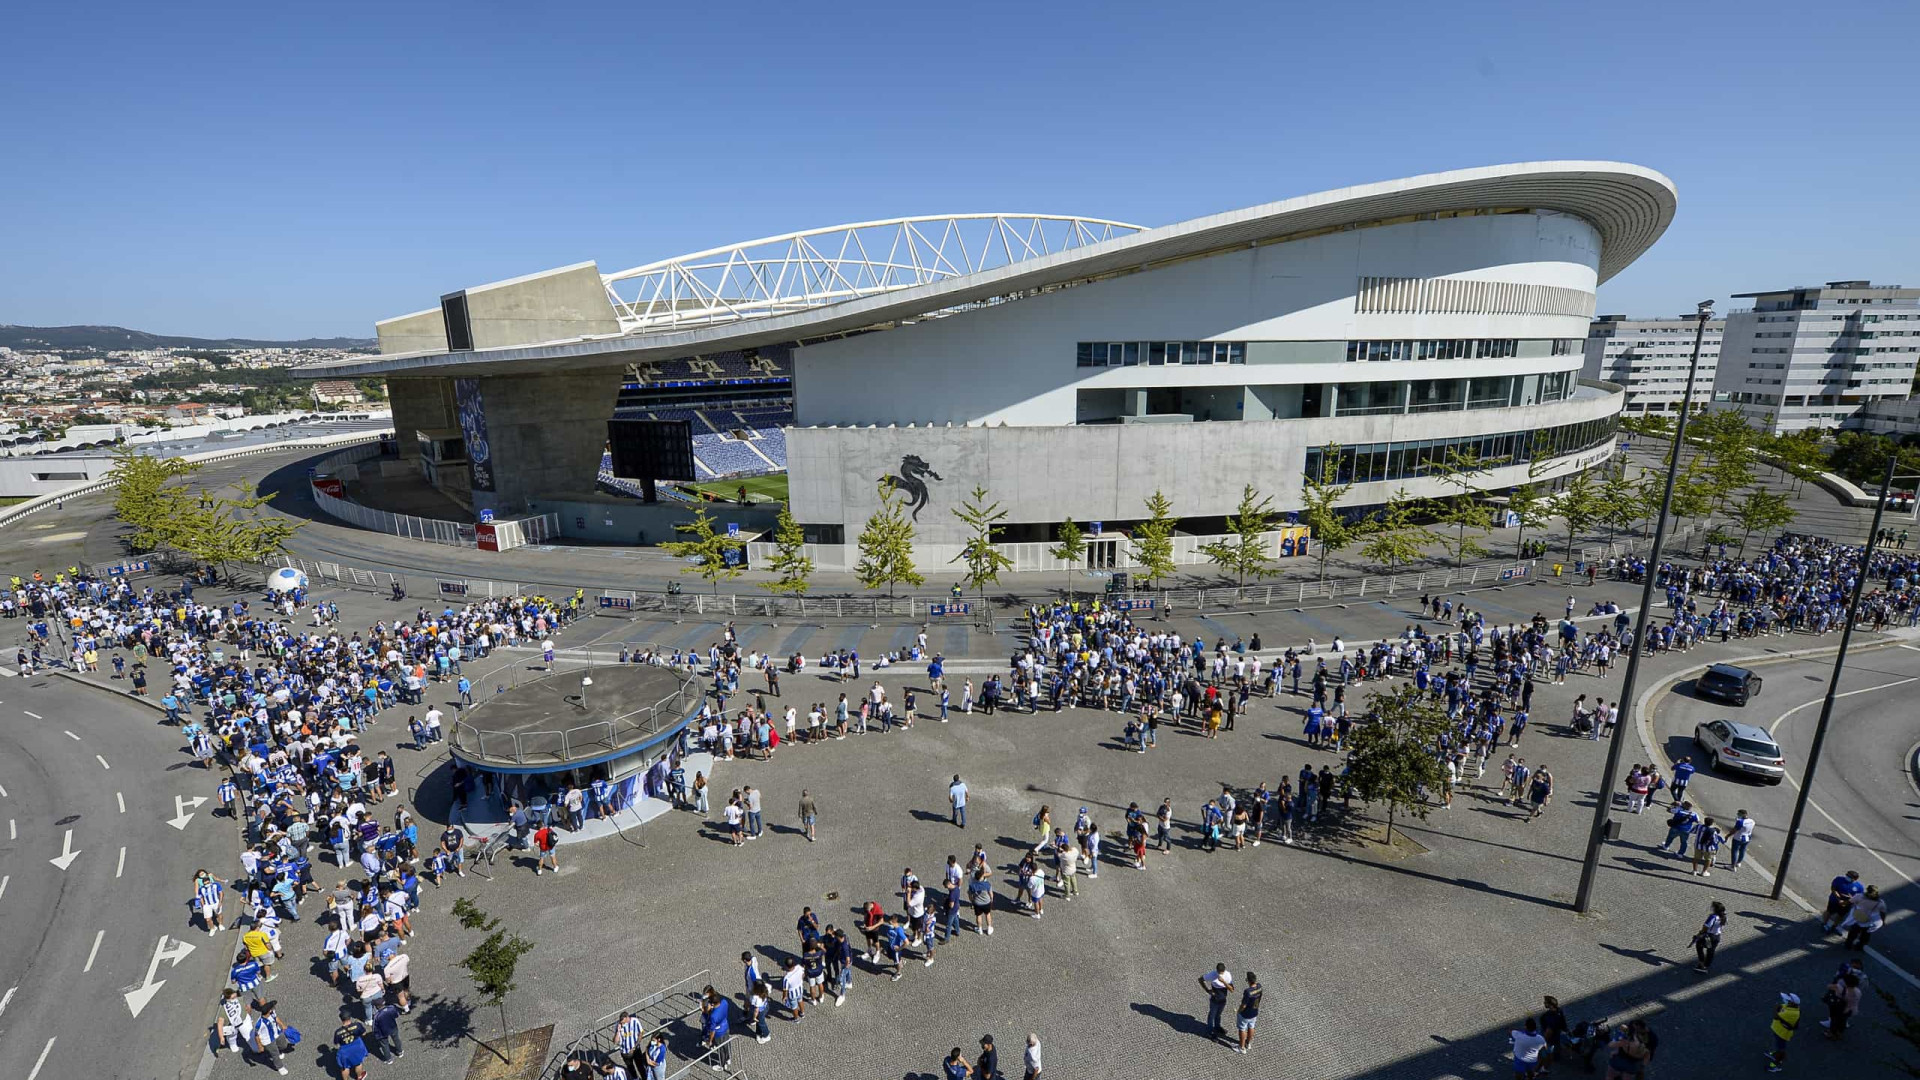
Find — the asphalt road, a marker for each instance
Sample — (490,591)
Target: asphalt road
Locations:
(77,765)
(1865,806)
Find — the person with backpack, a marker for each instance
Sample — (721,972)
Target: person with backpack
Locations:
(1680,826)
(547,844)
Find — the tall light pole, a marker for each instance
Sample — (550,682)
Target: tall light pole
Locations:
(1833,682)
(1603,807)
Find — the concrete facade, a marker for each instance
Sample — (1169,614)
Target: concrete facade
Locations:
(1102,472)
(1812,356)
(419,405)
(546,434)
(1294,304)
(569,302)
(1650,357)
(420,331)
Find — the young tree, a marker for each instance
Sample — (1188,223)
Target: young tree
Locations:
(1622,502)
(1762,511)
(789,562)
(491,964)
(1153,540)
(1070,550)
(223,531)
(1245,549)
(1461,471)
(1394,537)
(886,546)
(1392,759)
(712,555)
(143,487)
(1528,502)
(984,560)
(1331,531)
(1578,507)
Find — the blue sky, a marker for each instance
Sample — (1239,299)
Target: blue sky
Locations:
(223,170)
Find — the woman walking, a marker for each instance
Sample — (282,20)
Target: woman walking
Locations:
(1707,939)
(1866,916)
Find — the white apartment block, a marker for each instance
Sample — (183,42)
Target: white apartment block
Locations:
(1649,357)
(1812,357)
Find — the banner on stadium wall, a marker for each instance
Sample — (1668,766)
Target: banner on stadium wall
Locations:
(1293,540)
(453,588)
(472,412)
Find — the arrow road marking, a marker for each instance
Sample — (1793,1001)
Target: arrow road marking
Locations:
(67,854)
(182,810)
(138,996)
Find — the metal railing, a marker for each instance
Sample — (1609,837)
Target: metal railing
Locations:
(565,745)
(657,1011)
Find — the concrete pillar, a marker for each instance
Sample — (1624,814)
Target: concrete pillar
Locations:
(419,404)
(1135,403)
(544,435)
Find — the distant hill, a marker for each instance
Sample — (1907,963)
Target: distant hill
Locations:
(105,338)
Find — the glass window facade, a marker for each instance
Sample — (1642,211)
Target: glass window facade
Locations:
(1433,349)
(1370,462)
(1158,353)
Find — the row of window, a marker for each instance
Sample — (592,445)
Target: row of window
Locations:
(1370,462)
(1159,353)
(1451,395)
(1441,349)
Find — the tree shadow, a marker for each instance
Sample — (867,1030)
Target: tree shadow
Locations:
(440,1020)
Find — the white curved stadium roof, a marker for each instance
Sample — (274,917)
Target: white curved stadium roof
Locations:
(678,307)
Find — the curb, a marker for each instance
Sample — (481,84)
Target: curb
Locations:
(1643,728)
(121,694)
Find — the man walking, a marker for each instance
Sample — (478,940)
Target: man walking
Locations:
(1032,1057)
(1218,984)
(1249,1013)
(1738,839)
(1683,771)
(808,813)
(957,797)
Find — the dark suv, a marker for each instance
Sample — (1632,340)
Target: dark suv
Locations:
(1724,682)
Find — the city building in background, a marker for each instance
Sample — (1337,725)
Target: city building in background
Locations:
(1071,366)
(1650,357)
(1813,356)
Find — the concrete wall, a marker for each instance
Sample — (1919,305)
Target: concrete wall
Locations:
(546,434)
(422,331)
(420,405)
(568,302)
(1102,472)
(1014,362)
(628,522)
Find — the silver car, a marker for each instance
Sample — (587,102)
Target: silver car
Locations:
(1741,748)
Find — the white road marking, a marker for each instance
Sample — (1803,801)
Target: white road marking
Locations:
(122,864)
(70,734)
(67,854)
(1771,728)
(1835,822)
(95,951)
(3,884)
(138,997)
(102,761)
(1915,648)
(37,716)
(4,998)
(182,810)
(120,798)
(44,1051)
(13,829)
(3,792)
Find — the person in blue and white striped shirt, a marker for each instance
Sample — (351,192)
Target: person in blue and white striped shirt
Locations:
(207,893)
(628,1035)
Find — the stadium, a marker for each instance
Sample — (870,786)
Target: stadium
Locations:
(1071,366)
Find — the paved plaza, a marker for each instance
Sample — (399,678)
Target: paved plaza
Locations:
(1412,963)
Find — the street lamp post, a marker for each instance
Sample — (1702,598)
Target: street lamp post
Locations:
(1833,682)
(1603,806)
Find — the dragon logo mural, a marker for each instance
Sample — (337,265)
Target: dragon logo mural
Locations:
(911,479)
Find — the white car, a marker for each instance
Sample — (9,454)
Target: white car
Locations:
(1742,748)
